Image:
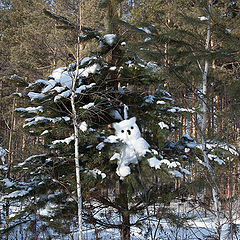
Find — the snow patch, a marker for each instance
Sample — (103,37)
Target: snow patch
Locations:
(91,69)
(149,99)
(34,95)
(30,159)
(51,84)
(175,173)
(7,183)
(61,76)
(87,106)
(64,94)
(84,87)
(30,109)
(18,94)
(100,146)
(161,102)
(87,59)
(113,68)
(154,163)
(83,126)
(16,194)
(111,139)
(109,39)
(203,18)
(95,172)
(41,119)
(146,30)
(163,125)
(2,154)
(66,140)
(216,159)
(115,156)
(44,132)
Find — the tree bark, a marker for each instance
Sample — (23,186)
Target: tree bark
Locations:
(10,142)
(76,134)
(125,229)
(211,172)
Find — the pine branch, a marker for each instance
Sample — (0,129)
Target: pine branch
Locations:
(59,18)
(70,25)
(135,29)
(15,80)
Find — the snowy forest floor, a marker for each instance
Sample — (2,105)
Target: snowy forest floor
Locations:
(200,225)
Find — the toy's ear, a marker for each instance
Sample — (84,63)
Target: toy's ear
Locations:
(115,126)
(133,119)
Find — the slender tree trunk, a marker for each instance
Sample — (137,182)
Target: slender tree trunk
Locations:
(10,160)
(218,120)
(125,229)
(212,174)
(230,199)
(7,206)
(193,119)
(230,192)
(10,141)
(76,133)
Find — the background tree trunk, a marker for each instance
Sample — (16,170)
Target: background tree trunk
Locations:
(76,131)
(125,229)
(211,172)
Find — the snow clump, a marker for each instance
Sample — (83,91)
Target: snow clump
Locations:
(2,154)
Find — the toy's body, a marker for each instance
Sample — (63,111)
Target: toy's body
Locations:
(134,145)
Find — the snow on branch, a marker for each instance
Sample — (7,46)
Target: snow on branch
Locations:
(16,194)
(30,159)
(30,109)
(16,80)
(66,140)
(2,154)
(41,119)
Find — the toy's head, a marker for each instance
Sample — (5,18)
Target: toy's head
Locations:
(127,130)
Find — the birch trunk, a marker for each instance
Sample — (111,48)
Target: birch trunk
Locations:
(212,174)
(76,134)
(230,196)
(12,125)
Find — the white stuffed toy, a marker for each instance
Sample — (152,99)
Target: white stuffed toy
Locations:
(135,146)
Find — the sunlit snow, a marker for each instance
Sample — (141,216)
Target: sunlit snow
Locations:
(66,140)
(2,154)
(83,126)
(34,95)
(163,125)
(109,38)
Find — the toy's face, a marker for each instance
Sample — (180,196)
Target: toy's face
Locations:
(127,130)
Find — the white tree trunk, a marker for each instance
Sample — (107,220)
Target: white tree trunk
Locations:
(76,133)
(76,148)
(212,174)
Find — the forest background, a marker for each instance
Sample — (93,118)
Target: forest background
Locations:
(174,65)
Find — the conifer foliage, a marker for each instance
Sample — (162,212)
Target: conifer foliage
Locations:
(135,152)
(104,94)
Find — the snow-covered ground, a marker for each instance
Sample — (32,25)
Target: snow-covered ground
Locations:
(200,225)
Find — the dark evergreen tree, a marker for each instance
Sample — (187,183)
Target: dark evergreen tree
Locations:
(101,99)
(181,48)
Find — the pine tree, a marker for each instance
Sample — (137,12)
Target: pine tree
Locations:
(98,103)
(180,47)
